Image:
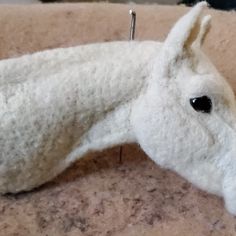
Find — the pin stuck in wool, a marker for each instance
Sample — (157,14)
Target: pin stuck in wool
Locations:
(59,104)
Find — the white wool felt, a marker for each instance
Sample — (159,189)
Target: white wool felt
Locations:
(59,104)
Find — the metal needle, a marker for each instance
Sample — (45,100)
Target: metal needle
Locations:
(131,37)
(132,24)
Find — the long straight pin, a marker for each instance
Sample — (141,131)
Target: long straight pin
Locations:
(131,37)
(132,24)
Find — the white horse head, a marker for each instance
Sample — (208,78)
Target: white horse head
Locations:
(185,119)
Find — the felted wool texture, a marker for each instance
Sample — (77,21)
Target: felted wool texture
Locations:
(227,95)
(56,108)
(61,100)
(98,195)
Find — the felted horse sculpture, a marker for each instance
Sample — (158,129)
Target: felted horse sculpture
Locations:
(59,104)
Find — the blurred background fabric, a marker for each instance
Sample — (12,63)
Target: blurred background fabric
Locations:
(217,4)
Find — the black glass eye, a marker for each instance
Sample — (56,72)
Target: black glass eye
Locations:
(202,104)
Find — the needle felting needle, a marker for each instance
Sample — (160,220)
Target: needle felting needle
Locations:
(132,24)
(131,37)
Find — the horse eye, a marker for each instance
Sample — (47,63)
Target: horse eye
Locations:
(202,104)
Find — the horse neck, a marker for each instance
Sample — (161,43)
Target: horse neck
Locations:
(107,96)
(117,74)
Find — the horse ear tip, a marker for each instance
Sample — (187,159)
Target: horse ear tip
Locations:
(203,4)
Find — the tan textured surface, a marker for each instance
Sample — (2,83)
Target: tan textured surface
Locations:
(37,27)
(98,195)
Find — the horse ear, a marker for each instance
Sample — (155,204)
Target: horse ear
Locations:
(187,30)
(205,26)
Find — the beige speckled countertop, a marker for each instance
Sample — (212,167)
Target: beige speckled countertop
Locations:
(100,196)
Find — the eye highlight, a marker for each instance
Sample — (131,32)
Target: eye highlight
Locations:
(201,104)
